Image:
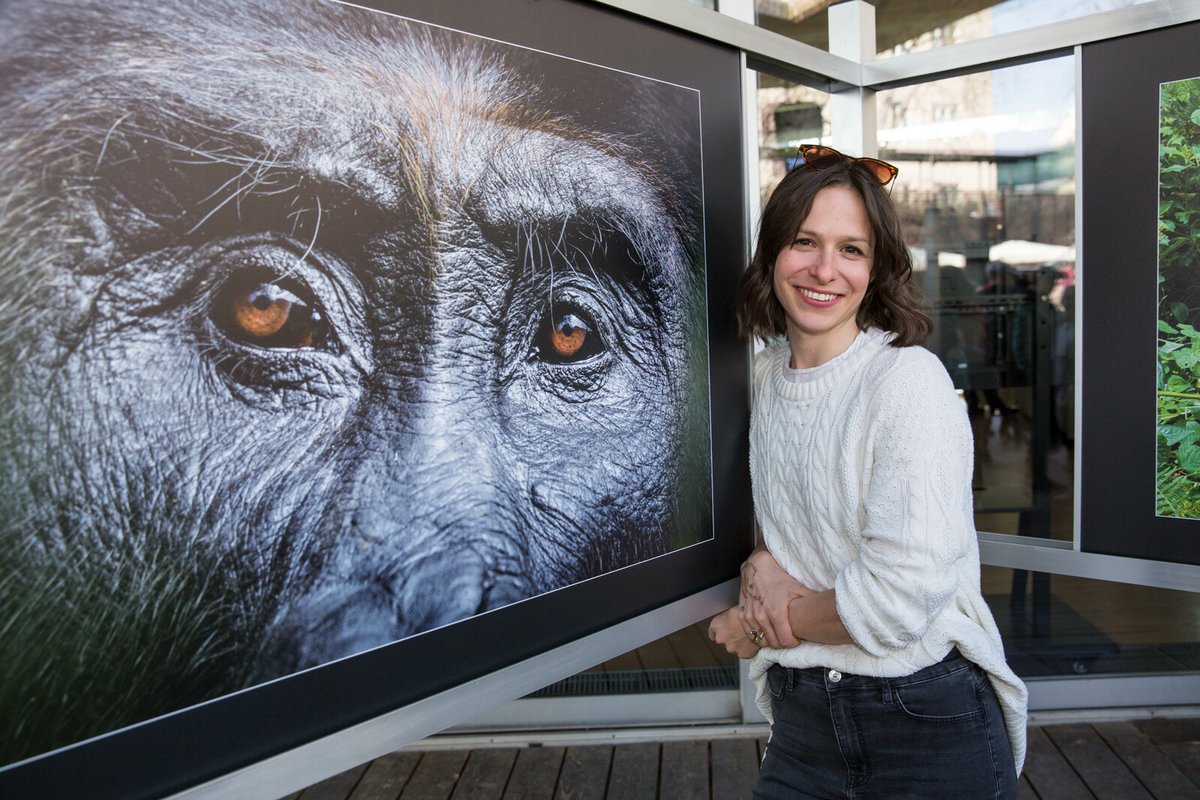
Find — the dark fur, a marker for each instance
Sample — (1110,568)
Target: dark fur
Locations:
(185,513)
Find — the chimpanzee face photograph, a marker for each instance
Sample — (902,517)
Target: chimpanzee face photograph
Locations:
(321,328)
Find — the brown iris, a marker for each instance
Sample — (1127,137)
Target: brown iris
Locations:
(268,313)
(570,337)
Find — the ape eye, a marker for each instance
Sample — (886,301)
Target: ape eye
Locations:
(567,335)
(268,311)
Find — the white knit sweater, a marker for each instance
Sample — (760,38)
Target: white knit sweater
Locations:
(861,471)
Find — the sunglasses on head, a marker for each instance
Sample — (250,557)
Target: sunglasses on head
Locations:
(817,156)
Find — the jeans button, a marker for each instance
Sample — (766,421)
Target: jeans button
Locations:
(834,676)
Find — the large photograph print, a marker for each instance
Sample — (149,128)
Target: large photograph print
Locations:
(1177,480)
(322,328)
(1140,439)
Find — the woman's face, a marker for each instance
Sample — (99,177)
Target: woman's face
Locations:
(821,278)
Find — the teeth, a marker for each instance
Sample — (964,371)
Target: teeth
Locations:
(820,297)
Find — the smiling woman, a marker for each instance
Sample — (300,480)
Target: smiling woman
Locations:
(875,656)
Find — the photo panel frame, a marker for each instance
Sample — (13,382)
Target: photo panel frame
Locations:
(1122,170)
(605,70)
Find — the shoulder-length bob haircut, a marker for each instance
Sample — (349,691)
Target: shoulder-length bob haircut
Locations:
(892,301)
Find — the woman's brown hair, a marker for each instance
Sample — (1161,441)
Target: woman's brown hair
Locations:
(892,301)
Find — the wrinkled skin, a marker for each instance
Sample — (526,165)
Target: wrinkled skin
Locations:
(338,327)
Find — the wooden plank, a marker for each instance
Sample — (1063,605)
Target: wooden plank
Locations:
(634,774)
(386,776)
(719,654)
(337,787)
(535,774)
(734,767)
(684,774)
(1026,792)
(658,655)
(1049,773)
(584,773)
(435,775)
(485,775)
(691,648)
(625,661)
(1147,762)
(1094,761)
(1170,730)
(1186,758)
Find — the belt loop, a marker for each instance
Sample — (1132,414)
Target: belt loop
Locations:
(887,691)
(791,681)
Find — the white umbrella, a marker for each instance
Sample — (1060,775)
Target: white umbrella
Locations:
(1018,251)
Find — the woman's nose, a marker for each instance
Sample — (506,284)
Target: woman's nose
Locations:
(823,269)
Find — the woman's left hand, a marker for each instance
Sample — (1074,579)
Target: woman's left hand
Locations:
(767,589)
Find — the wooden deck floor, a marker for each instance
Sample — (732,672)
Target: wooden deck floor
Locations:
(1153,758)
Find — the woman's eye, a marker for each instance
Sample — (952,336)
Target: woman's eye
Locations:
(567,335)
(266,312)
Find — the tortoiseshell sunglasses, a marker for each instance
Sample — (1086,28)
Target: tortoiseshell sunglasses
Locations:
(817,156)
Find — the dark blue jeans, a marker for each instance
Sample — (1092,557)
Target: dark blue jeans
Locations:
(937,733)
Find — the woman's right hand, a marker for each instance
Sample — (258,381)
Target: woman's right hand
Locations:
(726,629)
(766,591)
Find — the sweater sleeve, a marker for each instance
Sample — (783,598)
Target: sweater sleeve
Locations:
(918,509)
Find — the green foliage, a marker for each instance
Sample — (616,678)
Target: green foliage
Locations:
(1178,467)
(1179,194)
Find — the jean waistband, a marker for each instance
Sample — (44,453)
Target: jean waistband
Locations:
(953,660)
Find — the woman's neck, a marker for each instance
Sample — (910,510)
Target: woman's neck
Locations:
(813,351)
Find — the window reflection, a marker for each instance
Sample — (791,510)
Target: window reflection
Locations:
(1063,625)
(788,115)
(987,198)
(908,26)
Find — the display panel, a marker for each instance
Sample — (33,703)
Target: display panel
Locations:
(349,353)
(1140,125)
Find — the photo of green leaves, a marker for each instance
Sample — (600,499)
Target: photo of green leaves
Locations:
(1177,479)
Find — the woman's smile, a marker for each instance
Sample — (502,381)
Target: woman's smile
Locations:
(821,299)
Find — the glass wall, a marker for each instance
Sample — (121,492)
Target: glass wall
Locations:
(987,196)
(1058,625)
(986,192)
(907,26)
(911,25)
(788,115)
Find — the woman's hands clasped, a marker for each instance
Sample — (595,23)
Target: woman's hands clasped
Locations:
(766,592)
(761,617)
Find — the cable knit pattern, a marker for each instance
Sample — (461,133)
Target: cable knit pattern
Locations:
(861,472)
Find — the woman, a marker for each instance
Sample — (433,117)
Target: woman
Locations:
(875,656)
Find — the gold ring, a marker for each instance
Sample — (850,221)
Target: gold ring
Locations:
(756,636)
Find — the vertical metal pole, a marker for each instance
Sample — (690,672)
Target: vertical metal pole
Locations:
(743,10)
(852,111)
